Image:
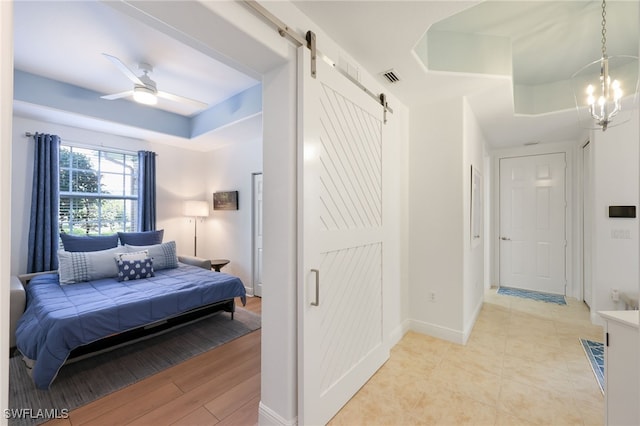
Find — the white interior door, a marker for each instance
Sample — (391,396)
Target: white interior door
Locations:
(532,223)
(340,306)
(257,234)
(587,204)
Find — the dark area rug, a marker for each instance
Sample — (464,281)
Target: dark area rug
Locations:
(86,380)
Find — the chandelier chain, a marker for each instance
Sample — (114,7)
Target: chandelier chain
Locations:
(604,30)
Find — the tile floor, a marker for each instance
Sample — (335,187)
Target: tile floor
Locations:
(523,365)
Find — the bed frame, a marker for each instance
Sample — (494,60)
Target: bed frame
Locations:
(134,335)
(149,330)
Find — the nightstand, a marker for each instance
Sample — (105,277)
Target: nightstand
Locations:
(217,264)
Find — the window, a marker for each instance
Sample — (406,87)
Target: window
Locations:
(98,191)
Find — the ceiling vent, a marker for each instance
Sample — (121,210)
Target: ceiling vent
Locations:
(391,76)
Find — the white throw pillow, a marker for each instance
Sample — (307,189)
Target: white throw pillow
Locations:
(164,255)
(134,255)
(79,266)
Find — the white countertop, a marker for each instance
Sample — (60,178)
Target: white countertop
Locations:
(630,318)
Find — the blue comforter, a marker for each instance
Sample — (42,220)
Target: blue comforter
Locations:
(60,318)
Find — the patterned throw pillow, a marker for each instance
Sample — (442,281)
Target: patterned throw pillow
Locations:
(164,255)
(134,255)
(135,269)
(75,267)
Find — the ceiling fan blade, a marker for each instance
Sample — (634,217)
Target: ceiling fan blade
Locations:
(118,95)
(182,99)
(124,69)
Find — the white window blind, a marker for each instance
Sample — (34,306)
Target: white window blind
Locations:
(98,191)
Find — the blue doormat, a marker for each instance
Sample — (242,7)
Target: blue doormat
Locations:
(533,295)
(595,355)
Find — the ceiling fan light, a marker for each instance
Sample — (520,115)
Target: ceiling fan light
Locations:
(144,96)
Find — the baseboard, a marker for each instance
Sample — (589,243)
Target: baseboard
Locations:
(398,333)
(266,416)
(433,330)
(469,328)
(596,319)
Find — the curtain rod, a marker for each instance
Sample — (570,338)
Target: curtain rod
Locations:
(90,146)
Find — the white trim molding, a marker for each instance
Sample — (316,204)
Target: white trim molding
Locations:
(434,330)
(267,416)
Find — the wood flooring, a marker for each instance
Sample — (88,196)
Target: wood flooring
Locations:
(219,387)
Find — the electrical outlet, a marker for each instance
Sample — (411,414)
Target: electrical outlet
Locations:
(432,296)
(615,295)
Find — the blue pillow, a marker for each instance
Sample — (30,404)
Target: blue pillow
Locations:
(89,242)
(145,238)
(135,269)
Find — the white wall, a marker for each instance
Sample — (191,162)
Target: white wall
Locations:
(615,182)
(446,271)
(229,232)
(436,219)
(395,193)
(180,175)
(6,108)
(473,277)
(279,379)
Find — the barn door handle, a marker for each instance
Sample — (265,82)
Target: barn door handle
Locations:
(505,239)
(317,302)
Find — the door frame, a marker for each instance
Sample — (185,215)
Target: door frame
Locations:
(233,24)
(572,222)
(580,276)
(254,255)
(512,232)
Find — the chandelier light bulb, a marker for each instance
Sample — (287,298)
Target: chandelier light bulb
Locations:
(617,91)
(603,97)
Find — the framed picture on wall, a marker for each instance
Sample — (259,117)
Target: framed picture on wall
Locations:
(225,200)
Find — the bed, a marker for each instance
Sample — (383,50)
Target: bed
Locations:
(60,319)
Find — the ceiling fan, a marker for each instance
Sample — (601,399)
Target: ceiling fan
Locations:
(144,89)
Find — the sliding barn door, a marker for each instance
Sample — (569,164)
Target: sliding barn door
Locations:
(340,309)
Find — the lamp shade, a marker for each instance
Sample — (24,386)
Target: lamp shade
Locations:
(195,208)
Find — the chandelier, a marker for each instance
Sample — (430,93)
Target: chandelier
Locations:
(603,97)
